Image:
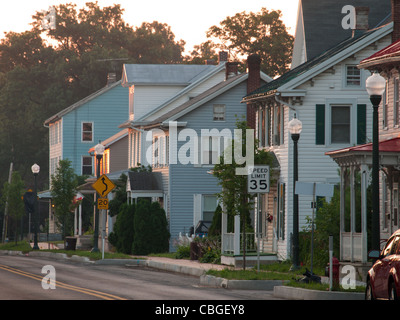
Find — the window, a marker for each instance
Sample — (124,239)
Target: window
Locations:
(396,102)
(87,131)
(264,126)
(340,124)
(385,101)
(210,150)
(87,167)
(209,206)
(353,76)
(219,112)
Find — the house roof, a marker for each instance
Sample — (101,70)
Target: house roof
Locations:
(323,21)
(390,54)
(113,139)
(199,100)
(163,74)
(76,105)
(144,181)
(319,63)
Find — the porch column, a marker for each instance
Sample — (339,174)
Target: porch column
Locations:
(364,186)
(352,212)
(80,220)
(236,240)
(224,228)
(342,206)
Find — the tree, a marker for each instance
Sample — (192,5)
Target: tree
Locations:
(234,196)
(13,195)
(262,33)
(63,191)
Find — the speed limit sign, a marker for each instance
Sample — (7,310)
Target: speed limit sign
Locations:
(102,204)
(258,179)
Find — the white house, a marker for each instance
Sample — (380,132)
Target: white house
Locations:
(327,93)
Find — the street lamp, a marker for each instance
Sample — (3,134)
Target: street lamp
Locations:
(98,151)
(375,86)
(295,128)
(35,170)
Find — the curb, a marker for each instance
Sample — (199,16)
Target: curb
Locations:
(267,285)
(292,293)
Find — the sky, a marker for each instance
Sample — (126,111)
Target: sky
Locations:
(189,20)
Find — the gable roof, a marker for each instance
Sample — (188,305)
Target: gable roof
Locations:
(322,21)
(197,101)
(163,74)
(81,102)
(144,181)
(320,63)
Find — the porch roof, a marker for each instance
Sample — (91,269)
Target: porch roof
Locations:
(389,153)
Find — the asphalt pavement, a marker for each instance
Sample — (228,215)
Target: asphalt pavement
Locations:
(198,269)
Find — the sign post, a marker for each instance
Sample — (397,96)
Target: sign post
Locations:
(103,187)
(258,182)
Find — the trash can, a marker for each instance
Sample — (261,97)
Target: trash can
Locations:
(70,243)
(194,250)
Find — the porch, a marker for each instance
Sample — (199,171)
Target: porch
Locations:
(358,160)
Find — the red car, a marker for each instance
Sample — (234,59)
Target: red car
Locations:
(383,281)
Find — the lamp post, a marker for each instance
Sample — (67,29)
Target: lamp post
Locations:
(35,170)
(98,151)
(295,128)
(375,86)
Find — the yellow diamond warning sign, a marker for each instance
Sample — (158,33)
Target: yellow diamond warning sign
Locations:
(103,186)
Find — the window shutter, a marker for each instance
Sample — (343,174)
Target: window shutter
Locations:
(320,124)
(361,123)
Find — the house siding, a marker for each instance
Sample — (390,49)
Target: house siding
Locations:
(187,180)
(106,112)
(314,166)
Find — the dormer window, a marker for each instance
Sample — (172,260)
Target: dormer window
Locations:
(353,76)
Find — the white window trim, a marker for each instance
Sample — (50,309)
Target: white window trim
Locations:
(224,112)
(345,86)
(352,103)
(87,141)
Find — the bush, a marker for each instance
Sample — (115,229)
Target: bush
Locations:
(183,251)
(151,233)
(123,234)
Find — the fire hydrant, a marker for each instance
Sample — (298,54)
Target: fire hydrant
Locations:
(335,272)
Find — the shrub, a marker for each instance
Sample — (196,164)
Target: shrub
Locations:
(123,234)
(151,233)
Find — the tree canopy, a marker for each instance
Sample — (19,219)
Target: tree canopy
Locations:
(44,71)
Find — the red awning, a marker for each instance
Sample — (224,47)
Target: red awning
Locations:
(391,145)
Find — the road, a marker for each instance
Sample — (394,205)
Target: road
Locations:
(21,279)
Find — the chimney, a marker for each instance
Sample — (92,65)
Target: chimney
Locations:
(111,78)
(223,57)
(253,83)
(362,20)
(231,69)
(396,20)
